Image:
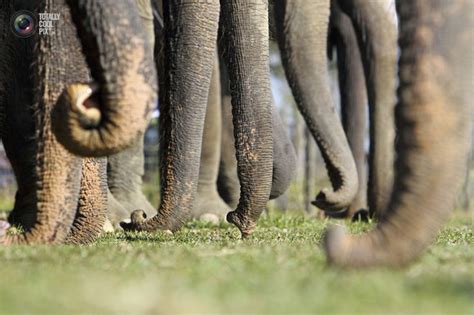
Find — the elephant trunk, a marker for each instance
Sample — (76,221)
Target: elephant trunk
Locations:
(433,121)
(190,45)
(353,96)
(302,34)
(246,47)
(104,117)
(377,36)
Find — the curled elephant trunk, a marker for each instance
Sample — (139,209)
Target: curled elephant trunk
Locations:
(104,117)
(433,120)
(302,28)
(377,37)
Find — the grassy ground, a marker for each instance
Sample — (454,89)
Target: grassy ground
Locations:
(203,269)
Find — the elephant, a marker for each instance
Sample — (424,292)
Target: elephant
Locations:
(125,169)
(178,177)
(284,155)
(363,27)
(353,96)
(377,39)
(432,117)
(60,105)
(190,37)
(301,29)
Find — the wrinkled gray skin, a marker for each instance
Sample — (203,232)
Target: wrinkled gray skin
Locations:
(433,121)
(353,95)
(376,36)
(69,202)
(284,155)
(125,169)
(301,30)
(189,52)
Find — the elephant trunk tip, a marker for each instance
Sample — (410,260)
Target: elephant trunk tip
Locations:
(86,125)
(245,225)
(377,248)
(335,244)
(345,184)
(337,200)
(83,100)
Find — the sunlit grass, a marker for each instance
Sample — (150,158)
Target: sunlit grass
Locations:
(205,268)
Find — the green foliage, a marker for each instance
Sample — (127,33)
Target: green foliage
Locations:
(208,269)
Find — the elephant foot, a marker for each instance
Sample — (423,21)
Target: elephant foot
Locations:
(245,225)
(4,226)
(22,218)
(115,211)
(139,222)
(210,207)
(108,227)
(361,216)
(123,204)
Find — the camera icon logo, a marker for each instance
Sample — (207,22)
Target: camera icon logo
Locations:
(23,24)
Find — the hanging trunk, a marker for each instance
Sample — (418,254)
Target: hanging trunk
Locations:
(190,42)
(246,48)
(302,28)
(433,120)
(377,37)
(352,89)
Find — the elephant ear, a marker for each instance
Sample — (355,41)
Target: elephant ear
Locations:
(104,117)
(433,123)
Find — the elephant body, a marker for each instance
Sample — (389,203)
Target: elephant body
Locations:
(66,199)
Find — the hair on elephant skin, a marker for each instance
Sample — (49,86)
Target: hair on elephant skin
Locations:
(70,192)
(432,118)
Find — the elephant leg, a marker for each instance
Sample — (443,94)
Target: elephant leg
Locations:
(19,129)
(208,202)
(353,97)
(125,169)
(377,37)
(124,173)
(245,41)
(92,208)
(433,121)
(115,210)
(190,42)
(284,157)
(228,181)
(302,28)
(6,62)
(58,172)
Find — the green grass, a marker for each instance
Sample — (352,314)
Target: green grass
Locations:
(205,269)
